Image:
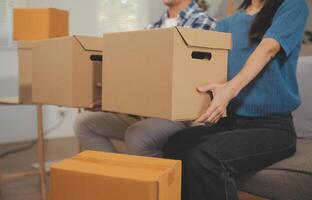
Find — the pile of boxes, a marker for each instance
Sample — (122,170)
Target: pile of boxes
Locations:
(151,73)
(29,26)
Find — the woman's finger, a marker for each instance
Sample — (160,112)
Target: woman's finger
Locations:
(206,88)
(214,115)
(207,114)
(202,118)
(217,119)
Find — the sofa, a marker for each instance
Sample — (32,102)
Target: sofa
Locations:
(290,179)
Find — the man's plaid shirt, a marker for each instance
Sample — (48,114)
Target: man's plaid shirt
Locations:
(193,16)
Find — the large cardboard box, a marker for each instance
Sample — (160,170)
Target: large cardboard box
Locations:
(155,73)
(25,71)
(39,23)
(98,176)
(63,72)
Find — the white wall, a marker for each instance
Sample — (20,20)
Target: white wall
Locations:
(96,17)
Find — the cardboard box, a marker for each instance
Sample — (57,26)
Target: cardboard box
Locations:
(306,50)
(39,23)
(155,73)
(98,176)
(63,72)
(25,60)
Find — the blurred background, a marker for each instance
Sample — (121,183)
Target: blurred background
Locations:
(92,17)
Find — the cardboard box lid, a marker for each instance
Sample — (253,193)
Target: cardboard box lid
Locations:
(34,9)
(203,38)
(89,43)
(118,166)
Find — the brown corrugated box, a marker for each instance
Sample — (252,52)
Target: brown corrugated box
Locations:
(155,73)
(25,60)
(97,176)
(39,23)
(306,50)
(63,73)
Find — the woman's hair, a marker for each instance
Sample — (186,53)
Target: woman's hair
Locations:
(263,19)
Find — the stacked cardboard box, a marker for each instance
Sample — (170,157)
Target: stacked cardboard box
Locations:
(39,23)
(152,73)
(30,25)
(64,72)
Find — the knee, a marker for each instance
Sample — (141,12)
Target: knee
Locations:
(176,146)
(81,124)
(147,137)
(198,159)
(193,159)
(139,140)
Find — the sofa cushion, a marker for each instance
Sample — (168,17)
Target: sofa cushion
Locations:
(290,179)
(303,115)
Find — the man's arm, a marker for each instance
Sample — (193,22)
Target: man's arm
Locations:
(203,21)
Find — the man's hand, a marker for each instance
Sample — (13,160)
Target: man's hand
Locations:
(222,95)
(99,85)
(96,106)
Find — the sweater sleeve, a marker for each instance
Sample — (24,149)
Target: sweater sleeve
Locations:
(288,24)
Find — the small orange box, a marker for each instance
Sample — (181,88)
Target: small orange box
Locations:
(108,176)
(39,23)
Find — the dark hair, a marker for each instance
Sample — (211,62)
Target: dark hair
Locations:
(263,19)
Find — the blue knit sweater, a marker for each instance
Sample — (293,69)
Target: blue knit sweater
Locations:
(275,89)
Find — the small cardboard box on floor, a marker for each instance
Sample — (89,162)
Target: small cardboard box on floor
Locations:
(64,73)
(97,176)
(155,73)
(39,23)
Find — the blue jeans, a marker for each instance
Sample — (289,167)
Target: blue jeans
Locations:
(213,156)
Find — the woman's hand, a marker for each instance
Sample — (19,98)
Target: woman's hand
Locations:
(222,95)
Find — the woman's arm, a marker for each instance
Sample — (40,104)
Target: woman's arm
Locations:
(224,93)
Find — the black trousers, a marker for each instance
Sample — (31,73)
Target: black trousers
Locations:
(213,156)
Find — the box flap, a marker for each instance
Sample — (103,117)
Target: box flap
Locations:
(208,39)
(30,9)
(57,9)
(117,165)
(25,44)
(89,43)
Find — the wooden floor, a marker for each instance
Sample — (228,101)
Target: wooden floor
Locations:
(27,188)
